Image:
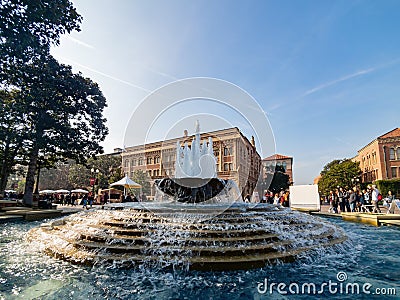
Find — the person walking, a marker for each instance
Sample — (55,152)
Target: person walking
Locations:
(374,198)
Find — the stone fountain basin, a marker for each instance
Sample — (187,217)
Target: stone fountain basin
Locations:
(243,236)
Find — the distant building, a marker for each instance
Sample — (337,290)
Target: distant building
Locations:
(237,158)
(380,159)
(278,160)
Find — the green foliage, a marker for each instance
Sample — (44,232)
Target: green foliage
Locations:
(338,173)
(62,111)
(384,186)
(29,27)
(143,179)
(13,131)
(275,182)
(279,182)
(72,176)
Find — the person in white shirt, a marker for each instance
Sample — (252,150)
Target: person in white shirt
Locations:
(374,198)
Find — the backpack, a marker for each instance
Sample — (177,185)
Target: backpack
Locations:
(379,197)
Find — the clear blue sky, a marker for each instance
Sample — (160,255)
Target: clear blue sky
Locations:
(327,73)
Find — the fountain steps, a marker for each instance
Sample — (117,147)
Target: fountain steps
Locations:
(224,242)
(213,263)
(207,239)
(202,250)
(214,233)
(194,251)
(196,226)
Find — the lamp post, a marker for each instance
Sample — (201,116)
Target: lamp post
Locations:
(94,179)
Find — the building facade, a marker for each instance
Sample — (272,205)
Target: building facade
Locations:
(380,159)
(237,158)
(278,160)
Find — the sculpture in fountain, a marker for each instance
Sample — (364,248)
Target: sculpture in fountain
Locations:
(195,178)
(188,235)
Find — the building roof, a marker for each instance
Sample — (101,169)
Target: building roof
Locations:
(277,157)
(393,133)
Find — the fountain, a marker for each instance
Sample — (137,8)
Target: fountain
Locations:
(195,178)
(186,232)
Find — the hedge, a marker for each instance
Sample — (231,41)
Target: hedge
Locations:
(385,186)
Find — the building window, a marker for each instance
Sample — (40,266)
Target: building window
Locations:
(157,160)
(226,167)
(140,162)
(398,153)
(373,157)
(392,154)
(394,172)
(134,162)
(126,163)
(228,151)
(149,160)
(230,167)
(149,172)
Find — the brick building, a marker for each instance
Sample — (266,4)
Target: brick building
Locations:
(380,159)
(237,158)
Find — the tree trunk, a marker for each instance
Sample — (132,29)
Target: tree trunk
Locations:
(30,176)
(4,173)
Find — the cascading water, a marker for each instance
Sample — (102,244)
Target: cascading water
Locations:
(205,225)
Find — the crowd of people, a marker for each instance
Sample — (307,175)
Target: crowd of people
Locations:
(281,198)
(356,200)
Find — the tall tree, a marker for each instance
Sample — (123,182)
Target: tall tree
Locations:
(64,115)
(339,172)
(13,131)
(27,30)
(276,179)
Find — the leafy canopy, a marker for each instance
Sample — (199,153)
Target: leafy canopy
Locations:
(338,173)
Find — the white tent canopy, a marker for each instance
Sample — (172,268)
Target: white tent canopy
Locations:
(46,192)
(127,183)
(79,191)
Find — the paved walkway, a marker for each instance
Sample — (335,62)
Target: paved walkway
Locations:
(325,209)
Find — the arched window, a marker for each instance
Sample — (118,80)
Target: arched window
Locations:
(398,153)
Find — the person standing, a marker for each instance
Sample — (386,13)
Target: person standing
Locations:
(106,198)
(391,203)
(340,195)
(276,199)
(374,199)
(352,200)
(128,198)
(333,202)
(85,201)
